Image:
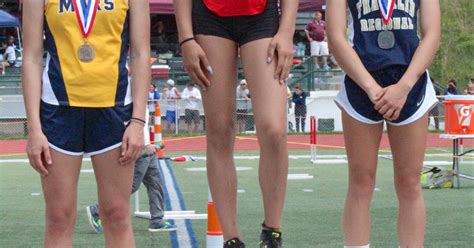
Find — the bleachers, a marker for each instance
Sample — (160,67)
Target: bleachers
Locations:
(10,83)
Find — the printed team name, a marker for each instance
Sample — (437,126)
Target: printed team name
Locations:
(67,6)
(365,7)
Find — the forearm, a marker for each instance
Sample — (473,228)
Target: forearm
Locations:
(289,9)
(31,85)
(350,63)
(183,12)
(140,78)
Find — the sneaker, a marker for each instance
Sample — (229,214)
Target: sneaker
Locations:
(93,216)
(326,67)
(234,243)
(269,238)
(162,227)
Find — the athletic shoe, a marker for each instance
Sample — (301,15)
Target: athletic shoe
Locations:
(93,216)
(326,67)
(234,243)
(162,227)
(270,238)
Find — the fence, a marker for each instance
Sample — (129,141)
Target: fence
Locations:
(178,120)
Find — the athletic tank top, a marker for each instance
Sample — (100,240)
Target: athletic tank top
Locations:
(235,7)
(103,82)
(367,24)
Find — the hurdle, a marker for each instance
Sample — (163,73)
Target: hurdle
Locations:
(312,138)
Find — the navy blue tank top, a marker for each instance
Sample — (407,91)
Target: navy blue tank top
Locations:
(367,24)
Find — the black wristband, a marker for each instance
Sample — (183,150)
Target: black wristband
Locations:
(186,40)
(138,119)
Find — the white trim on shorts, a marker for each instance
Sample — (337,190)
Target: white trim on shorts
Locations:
(65,151)
(430,100)
(82,153)
(342,102)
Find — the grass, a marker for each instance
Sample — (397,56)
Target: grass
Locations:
(311,219)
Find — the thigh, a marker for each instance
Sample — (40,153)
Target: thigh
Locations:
(268,95)
(60,186)
(219,98)
(362,143)
(114,181)
(408,143)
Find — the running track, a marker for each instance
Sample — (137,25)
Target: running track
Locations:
(245,143)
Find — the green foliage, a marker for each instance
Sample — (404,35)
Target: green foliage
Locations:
(455,56)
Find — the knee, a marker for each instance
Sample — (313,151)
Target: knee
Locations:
(271,135)
(361,185)
(220,135)
(408,187)
(60,219)
(116,216)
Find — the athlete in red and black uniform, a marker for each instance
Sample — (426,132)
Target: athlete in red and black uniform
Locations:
(212,32)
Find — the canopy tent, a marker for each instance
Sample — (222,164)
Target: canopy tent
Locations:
(9,21)
(166,6)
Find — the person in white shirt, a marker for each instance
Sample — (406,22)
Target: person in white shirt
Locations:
(192,100)
(242,105)
(9,56)
(172,95)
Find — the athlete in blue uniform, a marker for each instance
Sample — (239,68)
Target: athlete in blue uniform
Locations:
(386,81)
(82,103)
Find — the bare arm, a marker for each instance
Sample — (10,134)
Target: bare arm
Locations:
(430,32)
(37,146)
(194,58)
(345,55)
(132,141)
(139,55)
(282,43)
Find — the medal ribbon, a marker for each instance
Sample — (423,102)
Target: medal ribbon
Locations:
(85,13)
(386,9)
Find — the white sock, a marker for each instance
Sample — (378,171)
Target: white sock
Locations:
(357,246)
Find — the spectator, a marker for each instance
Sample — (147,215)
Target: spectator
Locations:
(452,88)
(470,88)
(171,94)
(192,98)
(242,95)
(299,98)
(316,34)
(9,56)
(161,33)
(152,95)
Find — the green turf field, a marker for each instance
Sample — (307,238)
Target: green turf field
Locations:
(312,214)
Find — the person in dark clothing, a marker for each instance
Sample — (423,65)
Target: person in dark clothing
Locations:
(434,112)
(299,98)
(452,88)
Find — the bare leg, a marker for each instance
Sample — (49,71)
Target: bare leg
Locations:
(114,184)
(325,60)
(408,148)
(60,195)
(219,108)
(362,143)
(269,104)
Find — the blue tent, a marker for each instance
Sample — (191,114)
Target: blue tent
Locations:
(8,21)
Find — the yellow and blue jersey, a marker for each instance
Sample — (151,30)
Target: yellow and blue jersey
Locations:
(103,82)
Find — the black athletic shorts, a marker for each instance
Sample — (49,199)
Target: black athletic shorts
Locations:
(241,29)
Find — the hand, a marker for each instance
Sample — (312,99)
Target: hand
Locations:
(392,101)
(283,46)
(375,93)
(196,63)
(132,143)
(37,149)
(150,149)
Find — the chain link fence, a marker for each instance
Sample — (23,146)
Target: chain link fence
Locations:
(178,119)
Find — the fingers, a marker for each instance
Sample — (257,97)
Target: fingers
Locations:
(388,114)
(47,155)
(286,71)
(279,68)
(271,51)
(132,146)
(35,160)
(124,147)
(206,64)
(380,103)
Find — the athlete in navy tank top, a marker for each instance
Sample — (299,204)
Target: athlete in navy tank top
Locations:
(387,82)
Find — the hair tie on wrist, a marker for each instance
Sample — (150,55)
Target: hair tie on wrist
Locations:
(138,119)
(186,40)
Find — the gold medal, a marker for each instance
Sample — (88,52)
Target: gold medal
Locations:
(85,53)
